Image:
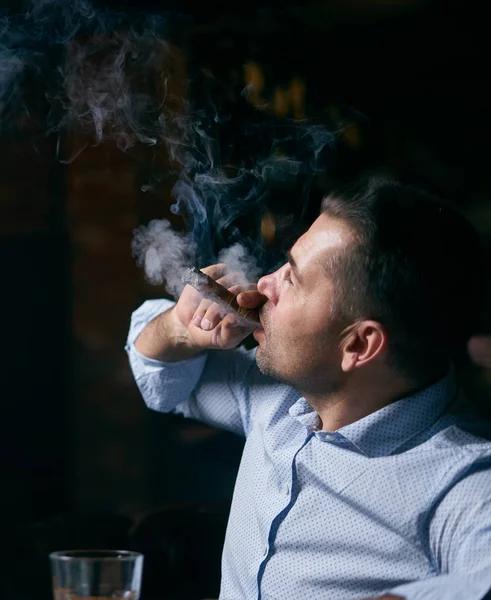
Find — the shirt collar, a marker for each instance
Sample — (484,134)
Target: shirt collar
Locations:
(382,432)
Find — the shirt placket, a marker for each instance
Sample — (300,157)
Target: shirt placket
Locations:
(286,495)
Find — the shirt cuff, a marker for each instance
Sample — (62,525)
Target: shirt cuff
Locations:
(143,315)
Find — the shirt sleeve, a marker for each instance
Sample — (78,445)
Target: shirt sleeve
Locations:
(212,388)
(460,541)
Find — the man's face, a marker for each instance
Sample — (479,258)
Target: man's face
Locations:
(299,342)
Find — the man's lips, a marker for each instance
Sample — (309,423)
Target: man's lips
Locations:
(259,331)
(258,334)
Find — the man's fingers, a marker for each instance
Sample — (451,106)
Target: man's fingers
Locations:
(230,332)
(212,317)
(216,271)
(214,322)
(251,299)
(200,312)
(209,314)
(241,288)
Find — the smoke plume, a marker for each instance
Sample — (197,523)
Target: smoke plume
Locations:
(67,68)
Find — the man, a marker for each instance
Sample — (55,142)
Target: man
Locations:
(364,471)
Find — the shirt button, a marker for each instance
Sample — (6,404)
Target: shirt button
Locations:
(265,551)
(286,489)
(329,437)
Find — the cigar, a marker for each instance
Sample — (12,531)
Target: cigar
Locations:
(212,290)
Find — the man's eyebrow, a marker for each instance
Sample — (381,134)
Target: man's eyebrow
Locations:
(293,265)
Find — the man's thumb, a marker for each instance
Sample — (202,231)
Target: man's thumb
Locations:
(251,299)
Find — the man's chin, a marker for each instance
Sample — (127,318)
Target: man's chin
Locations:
(261,361)
(264,364)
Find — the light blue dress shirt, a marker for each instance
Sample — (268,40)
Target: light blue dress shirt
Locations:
(398,501)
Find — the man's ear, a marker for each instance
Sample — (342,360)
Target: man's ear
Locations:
(361,343)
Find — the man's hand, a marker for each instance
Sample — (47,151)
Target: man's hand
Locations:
(207,324)
(195,324)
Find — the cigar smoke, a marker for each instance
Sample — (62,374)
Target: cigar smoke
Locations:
(72,71)
(164,254)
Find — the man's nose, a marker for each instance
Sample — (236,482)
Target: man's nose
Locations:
(262,285)
(267,286)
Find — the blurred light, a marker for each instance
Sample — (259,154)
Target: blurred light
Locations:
(297,97)
(268,227)
(286,102)
(351,137)
(281,102)
(254,81)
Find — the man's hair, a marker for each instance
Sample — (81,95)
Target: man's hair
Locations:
(416,266)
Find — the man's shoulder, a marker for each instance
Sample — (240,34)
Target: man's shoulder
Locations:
(453,450)
(467,478)
(465,432)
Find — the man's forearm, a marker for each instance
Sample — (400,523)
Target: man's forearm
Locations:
(166,339)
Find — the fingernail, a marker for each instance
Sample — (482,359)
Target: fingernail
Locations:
(205,324)
(197,320)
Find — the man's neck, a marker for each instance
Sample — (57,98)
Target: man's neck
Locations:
(358,398)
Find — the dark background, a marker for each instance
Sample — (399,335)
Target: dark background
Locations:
(406,84)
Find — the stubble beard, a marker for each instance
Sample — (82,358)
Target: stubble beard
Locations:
(265,362)
(303,379)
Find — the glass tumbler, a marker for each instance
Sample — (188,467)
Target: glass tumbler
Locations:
(96,574)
